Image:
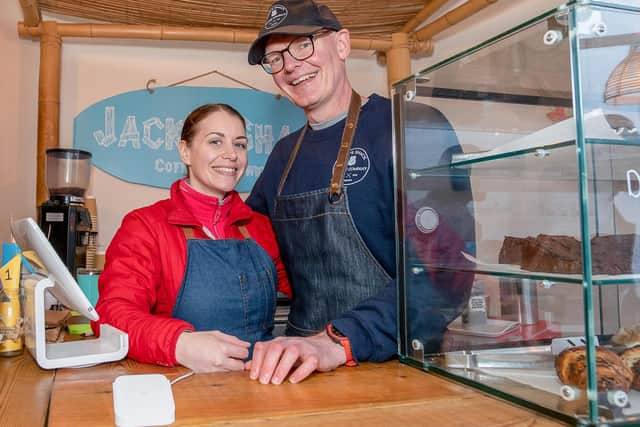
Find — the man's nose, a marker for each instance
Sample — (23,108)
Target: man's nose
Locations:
(290,63)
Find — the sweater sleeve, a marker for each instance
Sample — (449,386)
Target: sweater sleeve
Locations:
(372,326)
(128,289)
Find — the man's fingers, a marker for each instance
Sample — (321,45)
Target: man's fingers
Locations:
(270,361)
(259,350)
(288,359)
(308,366)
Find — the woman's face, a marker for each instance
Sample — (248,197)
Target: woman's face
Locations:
(217,154)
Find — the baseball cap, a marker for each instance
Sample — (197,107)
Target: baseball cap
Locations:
(298,17)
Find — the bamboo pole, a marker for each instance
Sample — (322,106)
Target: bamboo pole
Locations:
(429,9)
(456,15)
(167,32)
(31,12)
(48,102)
(398,58)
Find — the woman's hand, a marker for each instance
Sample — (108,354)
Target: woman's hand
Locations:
(211,351)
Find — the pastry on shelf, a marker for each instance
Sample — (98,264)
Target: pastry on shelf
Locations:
(611,371)
(610,254)
(631,358)
(628,337)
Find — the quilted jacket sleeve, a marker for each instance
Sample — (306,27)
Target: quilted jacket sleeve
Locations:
(129,288)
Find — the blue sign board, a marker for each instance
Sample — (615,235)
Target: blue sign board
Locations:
(134,135)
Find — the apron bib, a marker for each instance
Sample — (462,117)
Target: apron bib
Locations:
(229,285)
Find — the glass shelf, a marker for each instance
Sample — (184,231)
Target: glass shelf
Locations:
(512,271)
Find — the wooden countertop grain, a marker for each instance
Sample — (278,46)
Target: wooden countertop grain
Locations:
(371,394)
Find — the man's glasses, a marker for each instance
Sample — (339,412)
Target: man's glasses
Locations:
(300,49)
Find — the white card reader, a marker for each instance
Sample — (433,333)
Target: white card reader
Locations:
(143,400)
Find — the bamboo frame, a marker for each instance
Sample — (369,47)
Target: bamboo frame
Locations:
(167,32)
(48,102)
(31,12)
(429,9)
(451,18)
(398,58)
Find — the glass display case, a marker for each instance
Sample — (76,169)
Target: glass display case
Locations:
(518,214)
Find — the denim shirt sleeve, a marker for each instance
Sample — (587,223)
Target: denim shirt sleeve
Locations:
(372,326)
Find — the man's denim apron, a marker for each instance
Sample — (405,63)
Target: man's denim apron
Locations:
(329,265)
(229,285)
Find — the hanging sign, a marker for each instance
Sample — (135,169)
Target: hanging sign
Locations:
(134,135)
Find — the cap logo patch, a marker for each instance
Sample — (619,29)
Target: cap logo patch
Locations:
(277,14)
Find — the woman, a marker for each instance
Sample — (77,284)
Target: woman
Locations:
(192,279)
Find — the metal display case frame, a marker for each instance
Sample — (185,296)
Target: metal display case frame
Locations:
(533,135)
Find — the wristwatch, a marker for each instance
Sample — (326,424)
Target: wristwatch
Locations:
(339,338)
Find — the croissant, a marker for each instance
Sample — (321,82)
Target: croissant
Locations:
(631,358)
(611,371)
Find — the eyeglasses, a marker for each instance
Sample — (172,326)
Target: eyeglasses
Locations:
(300,49)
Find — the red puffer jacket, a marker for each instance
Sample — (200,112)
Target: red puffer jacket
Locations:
(146,261)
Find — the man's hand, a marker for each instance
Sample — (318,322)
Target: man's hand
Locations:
(273,360)
(211,351)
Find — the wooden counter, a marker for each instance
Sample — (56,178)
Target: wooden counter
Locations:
(370,395)
(24,391)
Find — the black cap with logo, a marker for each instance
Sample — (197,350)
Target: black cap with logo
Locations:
(297,17)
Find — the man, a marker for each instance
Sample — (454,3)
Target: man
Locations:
(328,189)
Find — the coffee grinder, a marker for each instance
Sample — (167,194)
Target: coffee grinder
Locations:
(63,218)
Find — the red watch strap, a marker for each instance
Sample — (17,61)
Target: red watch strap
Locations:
(344,342)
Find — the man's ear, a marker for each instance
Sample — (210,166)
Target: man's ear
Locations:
(343,43)
(185,153)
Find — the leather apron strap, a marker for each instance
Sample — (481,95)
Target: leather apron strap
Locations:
(335,187)
(188,232)
(292,157)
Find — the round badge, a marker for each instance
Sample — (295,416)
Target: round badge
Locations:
(358,166)
(277,14)
(427,219)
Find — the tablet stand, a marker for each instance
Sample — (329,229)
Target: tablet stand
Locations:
(113,344)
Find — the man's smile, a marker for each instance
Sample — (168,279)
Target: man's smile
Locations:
(301,79)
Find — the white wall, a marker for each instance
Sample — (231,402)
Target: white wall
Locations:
(18,118)
(96,69)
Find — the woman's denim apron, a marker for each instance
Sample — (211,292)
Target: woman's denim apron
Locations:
(329,265)
(229,285)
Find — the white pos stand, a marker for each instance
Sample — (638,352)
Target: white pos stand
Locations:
(113,344)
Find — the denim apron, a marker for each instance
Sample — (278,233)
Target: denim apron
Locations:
(329,265)
(229,285)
